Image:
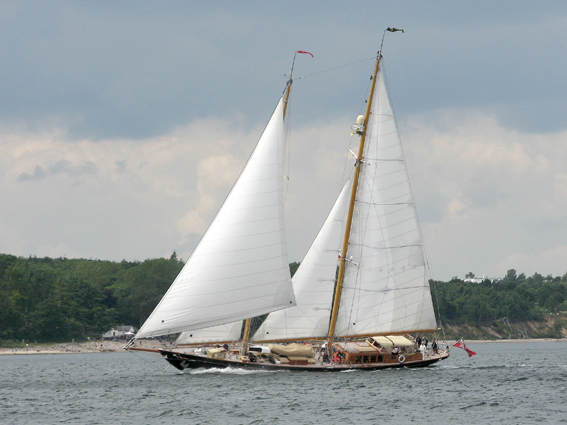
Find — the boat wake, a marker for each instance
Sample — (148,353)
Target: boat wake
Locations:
(231,371)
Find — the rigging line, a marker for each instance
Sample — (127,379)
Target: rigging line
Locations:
(154,363)
(348,168)
(372,161)
(411,180)
(389,204)
(287,150)
(387,290)
(385,247)
(437,305)
(382,43)
(336,67)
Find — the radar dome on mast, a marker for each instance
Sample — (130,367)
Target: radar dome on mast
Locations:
(358,127)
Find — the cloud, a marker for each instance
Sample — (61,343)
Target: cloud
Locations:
(116,199)
(214,172)
(489,198)
(489,192)
(541,262)
(10,240)
(66,167)
(56,251)
(38,174)
(61,167)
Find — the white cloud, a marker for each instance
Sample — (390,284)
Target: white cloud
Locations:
(214,173)
(489,198)
(10,241)
(489,193)
(115,199)
(56,251)
(541,262)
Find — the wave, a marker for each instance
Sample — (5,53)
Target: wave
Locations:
(231,371)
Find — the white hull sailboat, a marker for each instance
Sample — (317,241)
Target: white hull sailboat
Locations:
(321,320)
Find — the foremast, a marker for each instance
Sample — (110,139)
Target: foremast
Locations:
(348,224)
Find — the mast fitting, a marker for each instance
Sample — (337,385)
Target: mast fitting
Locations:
(358,128)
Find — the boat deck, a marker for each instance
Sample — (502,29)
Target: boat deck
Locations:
(188,358)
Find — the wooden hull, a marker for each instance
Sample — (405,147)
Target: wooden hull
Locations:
(183,360)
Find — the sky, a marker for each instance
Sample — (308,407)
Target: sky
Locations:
(124,124)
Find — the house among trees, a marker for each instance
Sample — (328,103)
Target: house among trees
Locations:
(120,332)
(471,278)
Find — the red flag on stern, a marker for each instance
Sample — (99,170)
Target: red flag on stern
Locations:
(461,344)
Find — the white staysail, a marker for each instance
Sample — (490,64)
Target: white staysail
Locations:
(313,283)
(240,268)
(386,286)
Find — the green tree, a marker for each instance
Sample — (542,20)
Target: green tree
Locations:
(511,275)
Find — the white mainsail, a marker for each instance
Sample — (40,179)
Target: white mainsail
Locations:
(386,286)
(313,283)
(240,268)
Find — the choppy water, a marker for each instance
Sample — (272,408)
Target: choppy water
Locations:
(508,383)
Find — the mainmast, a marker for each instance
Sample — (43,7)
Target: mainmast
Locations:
(344,250)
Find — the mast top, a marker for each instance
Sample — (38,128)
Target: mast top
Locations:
(390,29)
(290,79)
(293,62)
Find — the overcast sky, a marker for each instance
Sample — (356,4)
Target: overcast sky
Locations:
(124,124)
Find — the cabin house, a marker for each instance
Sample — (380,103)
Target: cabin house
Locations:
(120,332)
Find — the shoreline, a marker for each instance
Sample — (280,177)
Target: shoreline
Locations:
(490,341)
(80,347)
(118,346)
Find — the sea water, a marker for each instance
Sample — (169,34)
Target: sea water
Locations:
(505,383)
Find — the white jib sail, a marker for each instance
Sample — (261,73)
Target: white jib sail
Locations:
(240,267)
(313,284)
(386,286)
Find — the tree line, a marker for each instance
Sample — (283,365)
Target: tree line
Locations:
(59,299)
(515,297)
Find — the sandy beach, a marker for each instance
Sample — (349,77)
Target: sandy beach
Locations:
(80,347)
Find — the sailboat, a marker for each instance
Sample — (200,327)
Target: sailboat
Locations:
(358,296)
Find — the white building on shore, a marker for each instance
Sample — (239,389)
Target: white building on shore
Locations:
(120,332)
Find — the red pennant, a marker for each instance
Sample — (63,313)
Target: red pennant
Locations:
(307,53)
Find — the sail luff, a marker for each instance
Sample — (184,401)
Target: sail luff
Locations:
(240,268)
(344,251)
